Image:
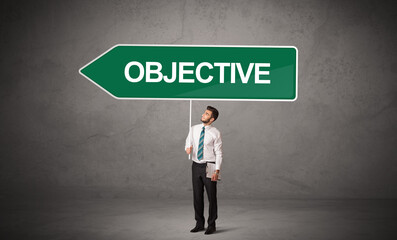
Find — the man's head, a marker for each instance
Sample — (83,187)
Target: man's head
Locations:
(210,115)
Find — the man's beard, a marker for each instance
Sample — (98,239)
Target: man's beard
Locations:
(205,121)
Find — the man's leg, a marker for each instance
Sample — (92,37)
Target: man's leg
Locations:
(210,187)
(198,194)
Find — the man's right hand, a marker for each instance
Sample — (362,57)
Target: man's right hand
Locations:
(189,150)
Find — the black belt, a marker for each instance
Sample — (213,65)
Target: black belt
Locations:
(201,164)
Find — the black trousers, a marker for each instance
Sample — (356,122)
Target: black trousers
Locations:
(200,181)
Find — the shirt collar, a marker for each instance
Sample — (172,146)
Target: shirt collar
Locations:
(206,127)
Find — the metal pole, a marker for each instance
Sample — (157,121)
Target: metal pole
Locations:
(190,119)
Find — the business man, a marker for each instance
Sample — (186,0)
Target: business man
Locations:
(205,144)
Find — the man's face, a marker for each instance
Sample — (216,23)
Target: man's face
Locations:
(206,117)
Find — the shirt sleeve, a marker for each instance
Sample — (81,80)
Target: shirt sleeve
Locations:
(189,139)
(218,151)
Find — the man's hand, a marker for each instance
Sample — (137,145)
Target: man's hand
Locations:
(214,176)
(189,150)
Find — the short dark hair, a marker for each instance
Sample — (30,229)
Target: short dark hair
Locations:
(214,112)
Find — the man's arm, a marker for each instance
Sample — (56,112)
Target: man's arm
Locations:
(218,156)
(218,152)
(189,142)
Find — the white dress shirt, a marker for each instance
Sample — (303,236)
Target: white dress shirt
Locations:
(212,144)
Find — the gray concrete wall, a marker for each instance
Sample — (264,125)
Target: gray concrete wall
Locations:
(60,133)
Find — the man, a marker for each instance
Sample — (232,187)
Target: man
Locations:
(205,144)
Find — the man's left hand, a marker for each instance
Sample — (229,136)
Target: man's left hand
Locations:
(214,177)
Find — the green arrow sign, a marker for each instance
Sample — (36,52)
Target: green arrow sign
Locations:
(241,73)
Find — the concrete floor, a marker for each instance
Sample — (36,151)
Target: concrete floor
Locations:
(95,219)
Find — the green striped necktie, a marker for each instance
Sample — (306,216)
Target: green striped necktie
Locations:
(200,152)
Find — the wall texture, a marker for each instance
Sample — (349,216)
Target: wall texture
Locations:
(60,133)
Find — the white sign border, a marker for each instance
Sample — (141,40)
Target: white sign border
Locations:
(198,99)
